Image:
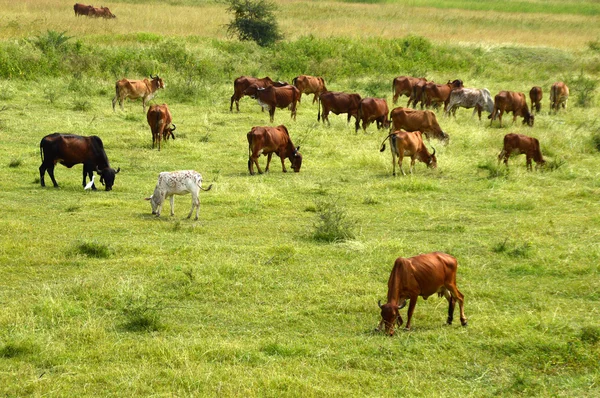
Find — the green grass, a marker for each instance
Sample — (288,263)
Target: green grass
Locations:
(100,297)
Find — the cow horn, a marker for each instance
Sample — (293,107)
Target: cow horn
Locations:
(118,169)
(379,303)
(433,154)
(152,77)
(402,305)
(297,148)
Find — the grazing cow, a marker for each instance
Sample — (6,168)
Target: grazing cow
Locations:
(272,97)
(243,82)
(134,89)
(435,94)
(103,12)
(470,98)
(423,275)
(177,183)
(372,109)
(269,140)
(521,144)
(415,120)
(418,94)
(510,101)
(403,85)
(82,9)
(159,118)
(559,94)
(337,103)
(535,95)
(309,85)
(69,150)
(403,143)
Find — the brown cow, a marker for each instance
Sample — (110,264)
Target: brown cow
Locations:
(372,109)
(535,95)
(243,82)
(423,275)
(403,143)
(159,118)
(403,85)
(337,103)
(559,95)
(272,97)
(521,144)
(269,140)
(435,94)
(415,120)
(134,89)
(82,9)
(418,94)
(510,101)
(309,85)
(103,12)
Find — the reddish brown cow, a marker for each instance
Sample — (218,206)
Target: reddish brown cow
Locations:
(559,94)
(435,94)
(403,85)
(415,120)
(535,95)
(272,97)
(418,94)
(309,85)
(521,144)
(82,9)
(423,275)
(372,109)
(510,101)
(134,89)
(269,140)
(337,103)
(159,118)
(242,83)
(403,143)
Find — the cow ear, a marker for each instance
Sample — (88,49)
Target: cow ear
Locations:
(150,198)
(297,148)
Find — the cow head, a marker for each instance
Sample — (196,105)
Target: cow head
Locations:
(157,82)
(107,177)
(528,118)
(432,161)
(296,159)
(154,202)
(252,91)
(390,315)
(168,132)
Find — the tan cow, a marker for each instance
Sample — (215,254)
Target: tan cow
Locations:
(269,140)
(436,94)
(403,85)
(411,144)
(309,85)
(423,275)
(519,144)
(134,89)
(510,101)
(416,120)
(559,95)
(159,119)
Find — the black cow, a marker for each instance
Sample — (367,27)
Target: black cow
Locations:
(69,150)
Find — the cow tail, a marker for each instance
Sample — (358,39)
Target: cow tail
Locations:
(41,150)
(319,109)
(382,148)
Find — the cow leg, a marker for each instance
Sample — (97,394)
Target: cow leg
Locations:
(283,163)
(392,147)
(195,204)
(268,162)
(411,309)
(412,164)
(294,110)
(50,169)
(458,296)
(528,162)
(114,102)
(400,159)
(272,113)
(451,305)
(172,202)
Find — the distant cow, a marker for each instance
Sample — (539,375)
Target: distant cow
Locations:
(418,94)
(272,97)
(269,140)
(436,94)
(103,12)
(177,183)
(423,275)
(535,95)
(559,94)
(309,85)
(69,150)
(372,110)
(478,99)
(411,144)
(159,119)
(338,103)
(243,82)
(403,85)
(82,9)
(415,120)
(519,144)
(134,89)
(510,101)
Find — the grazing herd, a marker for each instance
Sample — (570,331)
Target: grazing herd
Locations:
(423,275)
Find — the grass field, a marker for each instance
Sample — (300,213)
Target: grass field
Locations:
(100,298)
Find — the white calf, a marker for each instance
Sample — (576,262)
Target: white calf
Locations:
(177,183)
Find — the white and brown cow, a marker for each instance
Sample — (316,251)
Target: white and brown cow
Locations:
(478,99)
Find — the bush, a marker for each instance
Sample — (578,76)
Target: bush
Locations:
(332,224)
(253,20)
(584,88)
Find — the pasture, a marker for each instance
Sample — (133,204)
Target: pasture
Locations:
(258,297)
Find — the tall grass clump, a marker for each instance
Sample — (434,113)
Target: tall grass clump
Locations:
(333,223)
(92,249)
(141,314)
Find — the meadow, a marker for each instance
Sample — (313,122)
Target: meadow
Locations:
(274,291)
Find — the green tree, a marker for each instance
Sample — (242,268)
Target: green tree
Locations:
(253,20)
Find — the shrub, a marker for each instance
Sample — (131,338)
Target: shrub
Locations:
(15,163)
(51,41)
(332,223)
(584,88)
(141,315)
(253,20)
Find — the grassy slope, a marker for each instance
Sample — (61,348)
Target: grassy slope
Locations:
(244,302)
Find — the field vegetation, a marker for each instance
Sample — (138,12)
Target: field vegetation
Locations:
(273,292)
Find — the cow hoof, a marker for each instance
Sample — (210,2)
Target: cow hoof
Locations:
(463,323)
